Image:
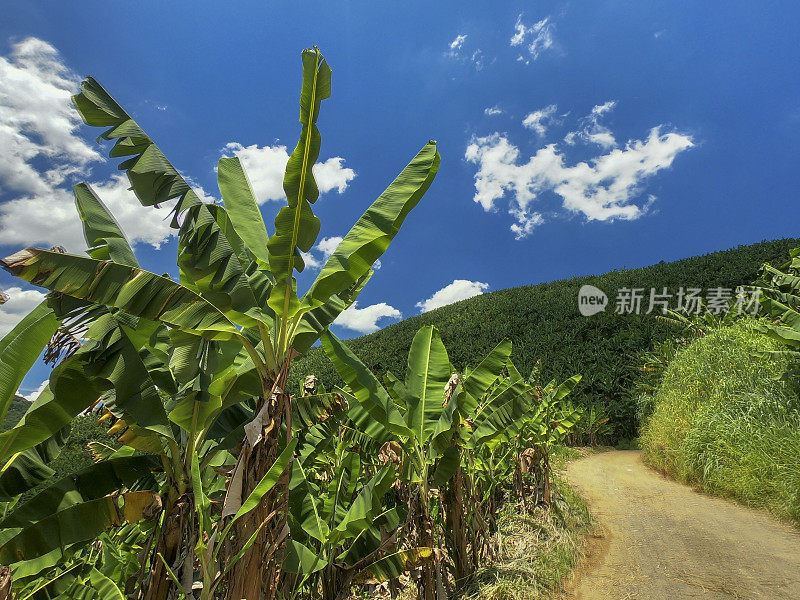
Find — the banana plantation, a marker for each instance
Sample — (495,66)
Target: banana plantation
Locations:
(215,479)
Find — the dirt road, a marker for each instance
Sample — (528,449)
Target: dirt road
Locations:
(660,540)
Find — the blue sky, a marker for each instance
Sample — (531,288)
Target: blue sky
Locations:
(575,137)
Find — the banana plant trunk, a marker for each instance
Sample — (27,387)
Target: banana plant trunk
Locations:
(5,583)
(257,574)
(541,473)
(456,532)
(172,537)
(424,526)
(336,583)
(519,482)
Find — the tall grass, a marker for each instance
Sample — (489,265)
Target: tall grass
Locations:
(724,419)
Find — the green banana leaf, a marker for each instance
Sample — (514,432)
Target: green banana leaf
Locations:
(341,489)
(91,483)
(103,234)
(298,558)
(426,377)
(20,348)
(373,411)
(242,207)
(482,377)
(366,505)
(153,179)
(447,465)
(23,473)
(296,226)
(215,263)
(133,290)
(315,322)
(393,565)
(373,232)
(305,507)
(77,523)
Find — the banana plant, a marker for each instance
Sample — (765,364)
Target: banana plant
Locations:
(156,383)
(413,421)
(467,522)
(342,529)
(237,283)
(779,298)
(537,432)
(90,572)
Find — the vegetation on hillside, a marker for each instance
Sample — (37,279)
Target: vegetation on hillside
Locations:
(544,324)
(16,408)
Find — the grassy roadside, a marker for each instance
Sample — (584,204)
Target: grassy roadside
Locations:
(726,420)
(539,550)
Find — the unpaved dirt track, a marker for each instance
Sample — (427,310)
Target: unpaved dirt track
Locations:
(660,540)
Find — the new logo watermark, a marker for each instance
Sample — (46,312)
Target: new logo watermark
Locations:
(591,300)
(688,300)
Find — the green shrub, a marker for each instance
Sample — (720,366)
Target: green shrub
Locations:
(724,419)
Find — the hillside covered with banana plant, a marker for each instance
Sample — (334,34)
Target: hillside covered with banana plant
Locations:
(550,334)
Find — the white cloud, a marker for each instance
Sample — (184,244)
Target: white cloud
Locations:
(35,393)
(323,250)
(460,289)
(602,188)
(592,130)
(332,174)
(537,37)
(51,219)
(328,245)
(457,43)
(310,260)
(265,166)
(493,111)
(365,320)
(320,253)
(20,303)
(526,222)
(38,121)
(458,52)
(536,121)
(41,153)
(478,59)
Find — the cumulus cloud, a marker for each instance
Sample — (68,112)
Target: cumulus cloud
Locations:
(20,302)
(493,111)
(42,153)
(603,188)
(51,219)
(323,250)
(537,120)
(460,289)
(35,393)
(365,320)
(535,38)
(265,166)
(38,121)
(320,253)
(328,245)
(332,174)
